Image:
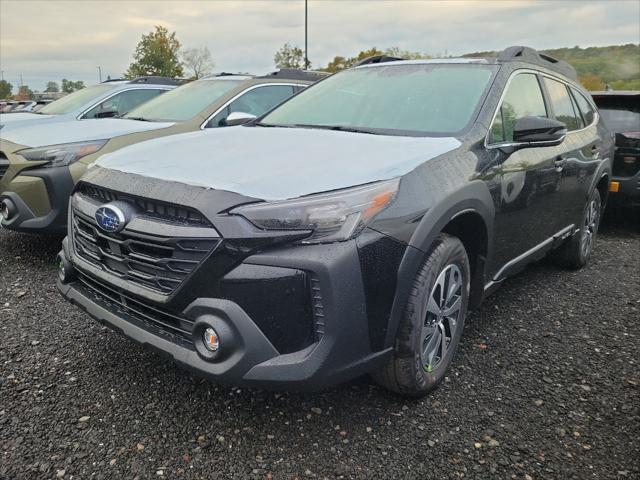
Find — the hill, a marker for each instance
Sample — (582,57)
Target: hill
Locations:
(615,65)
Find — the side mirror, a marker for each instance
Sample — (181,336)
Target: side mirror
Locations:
(106,114)
(538,132)
(238,118)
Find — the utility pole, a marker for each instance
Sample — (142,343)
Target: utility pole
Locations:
(99,73)
(21,82)
(2,75)
(306,36)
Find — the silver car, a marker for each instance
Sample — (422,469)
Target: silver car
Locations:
(107,99)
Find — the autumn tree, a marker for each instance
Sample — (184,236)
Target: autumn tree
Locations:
(157,53)
(52,87)
(406,54)
(69,86)
(198,61)
(592,82)
(289,57)
(24,93)
(340,63)
(5,89)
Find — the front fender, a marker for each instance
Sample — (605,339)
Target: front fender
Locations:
(473,197)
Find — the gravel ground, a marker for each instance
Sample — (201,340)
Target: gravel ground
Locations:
(546,385)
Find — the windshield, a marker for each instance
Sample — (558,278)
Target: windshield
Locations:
(75,100)
(183,103)
(405,99)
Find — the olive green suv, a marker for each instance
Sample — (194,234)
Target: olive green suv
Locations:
(40,164)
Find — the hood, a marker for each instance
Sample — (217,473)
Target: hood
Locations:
(11,118)
(276,163)
(34,134)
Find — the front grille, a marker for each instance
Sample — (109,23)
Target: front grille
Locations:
(4,164)
(165,324)
(151,208)
(158,263)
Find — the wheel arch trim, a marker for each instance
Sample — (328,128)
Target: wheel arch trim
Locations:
(472,198)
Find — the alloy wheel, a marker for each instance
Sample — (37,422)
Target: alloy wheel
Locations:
(443,309)
(590,227)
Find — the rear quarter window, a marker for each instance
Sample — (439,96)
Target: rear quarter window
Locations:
(585,107)
(562,104)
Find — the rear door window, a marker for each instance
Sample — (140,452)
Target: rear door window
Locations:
(523,98)
(562,104)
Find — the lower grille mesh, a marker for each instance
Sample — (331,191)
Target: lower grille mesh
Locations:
(162,323)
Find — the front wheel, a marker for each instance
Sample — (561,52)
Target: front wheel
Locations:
(576,251)
(430,330)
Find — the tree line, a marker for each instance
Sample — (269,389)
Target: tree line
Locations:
(160,53)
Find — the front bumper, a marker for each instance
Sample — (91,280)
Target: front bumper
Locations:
(628,190)
(41,199)
(341,349)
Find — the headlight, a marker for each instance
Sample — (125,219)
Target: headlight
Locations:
(331,217)
(62,155)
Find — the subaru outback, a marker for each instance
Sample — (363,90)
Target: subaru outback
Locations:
(349,230)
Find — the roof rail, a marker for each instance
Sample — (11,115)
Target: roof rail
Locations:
(530,55)
(296,74)
(377,59)
(157,80)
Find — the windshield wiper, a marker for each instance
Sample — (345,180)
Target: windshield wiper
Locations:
(338,128)
(141,119)
(260,124)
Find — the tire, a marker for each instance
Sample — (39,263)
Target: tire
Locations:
(576,251)
(415,369)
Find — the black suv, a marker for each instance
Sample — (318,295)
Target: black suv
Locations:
(620,111)
(348,230)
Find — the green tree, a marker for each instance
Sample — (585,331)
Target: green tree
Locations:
(289,57)
(157,53)
(52,87)
(69,86)
(198,61)
(5,89)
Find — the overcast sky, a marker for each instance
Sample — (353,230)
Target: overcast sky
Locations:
(49,40)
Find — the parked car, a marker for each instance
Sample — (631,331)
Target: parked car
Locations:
(41,104)
(620,110)
(8,108)
(107,99)
(348,230)
(42,162)
(24,106)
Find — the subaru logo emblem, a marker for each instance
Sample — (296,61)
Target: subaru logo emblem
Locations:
(110,218)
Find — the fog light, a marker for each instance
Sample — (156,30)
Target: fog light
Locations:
(7,209)
(66,272)
(210,339)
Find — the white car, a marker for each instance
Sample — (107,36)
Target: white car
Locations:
(107,99)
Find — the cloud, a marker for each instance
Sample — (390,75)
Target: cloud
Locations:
(70,38)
